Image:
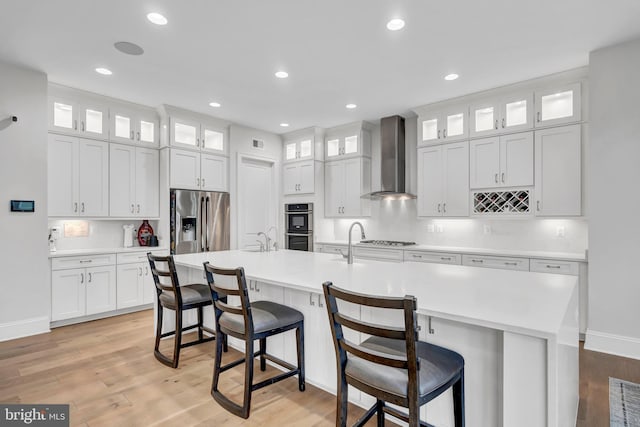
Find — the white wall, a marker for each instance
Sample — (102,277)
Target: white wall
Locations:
(614,205)
(241,142)
(25,302)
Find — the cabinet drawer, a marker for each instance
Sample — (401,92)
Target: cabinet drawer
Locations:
(333,249)
(64,263)
(131,257)
(378,254)
(553,266)
(496,262)
(437,257)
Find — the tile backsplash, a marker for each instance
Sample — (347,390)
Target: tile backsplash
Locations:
(101,234)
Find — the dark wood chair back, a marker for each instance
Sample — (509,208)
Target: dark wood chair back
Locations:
(220,294)
(165,276)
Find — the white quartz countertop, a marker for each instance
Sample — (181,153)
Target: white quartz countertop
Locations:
(516,301)
(96,251)
(564,256)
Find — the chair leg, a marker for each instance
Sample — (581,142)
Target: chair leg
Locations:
(216,368)
(226,341)
(380,411)
(300,354)
(159,318)
(248,377)
(458,401)
(200,337)
(177,338)
(263,351)
(342,397)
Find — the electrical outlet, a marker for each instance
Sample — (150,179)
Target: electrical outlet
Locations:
(440,228)
(560,231)
(431,228)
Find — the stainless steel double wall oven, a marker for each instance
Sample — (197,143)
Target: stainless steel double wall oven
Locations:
(299,226)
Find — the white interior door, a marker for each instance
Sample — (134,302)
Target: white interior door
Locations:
(257,199)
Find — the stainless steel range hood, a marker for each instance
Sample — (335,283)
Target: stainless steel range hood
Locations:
(392,162)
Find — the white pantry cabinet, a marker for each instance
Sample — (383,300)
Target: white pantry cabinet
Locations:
(298,177)
(82,291)
(73,114)
(443,125)
(132,125)
(345,182)
(443,180)
(559,105)
(505,161)
(501,114)
(135,182)
(558,171)
(198,171)
(78,176)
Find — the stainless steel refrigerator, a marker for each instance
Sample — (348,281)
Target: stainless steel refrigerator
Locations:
(199,221)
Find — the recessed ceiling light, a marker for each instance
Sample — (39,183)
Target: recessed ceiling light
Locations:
(451,76)
(284,125)
(104,71)
(214,104)
(282,74)
(395,24)
(157,18)
(129,48)
(351,106)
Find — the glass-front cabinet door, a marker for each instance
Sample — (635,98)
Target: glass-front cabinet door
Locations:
(558,105)
(455,123)
(334,148)
(291,151)
(516,112)
(298,150)
(63,115)
(122,126)
(305,149)
(484,118)
(185,133)
(146,128)
(430,128)
(212,139)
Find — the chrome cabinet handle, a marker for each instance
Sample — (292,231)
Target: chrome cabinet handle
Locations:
(438,133)
(552,266)
(75,125)
(140,269)
(510,263)
(256,287)
(133,208)
(89,278)
(311,301)
(81,277)
(203,182)
(438,207)
(502,176)
(444,207)
(85,261)
(146,270)
(431,330)
(444,133)
(496,178)
(132,138)
(75,207)
(138,135)
(138,211)
(82,207)
(416,256)
(250,285)
(496,123)
(538,205)
(538,116)
(477,260)
(198,181)
(503,123)
(82,125)
(445,258)
(320,301)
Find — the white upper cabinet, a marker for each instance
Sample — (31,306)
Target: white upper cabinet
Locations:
(558,171)
(78,177)
(75,115)
(446,125)
(443,180)
(299,178)
(197,135)
(505,161)
(298,150)
(191,170)
(350,140)
(558,105)
(134,182)
(345,182)
(130,125)
(500,115)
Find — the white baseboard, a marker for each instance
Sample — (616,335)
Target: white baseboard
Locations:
(618,345)
(24,328)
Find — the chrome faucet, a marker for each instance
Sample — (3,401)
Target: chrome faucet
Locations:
(267,241)
(349,255)
(275,239)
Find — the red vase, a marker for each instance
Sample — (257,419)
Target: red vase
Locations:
(145,231)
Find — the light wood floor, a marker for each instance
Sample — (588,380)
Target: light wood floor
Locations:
(107,373)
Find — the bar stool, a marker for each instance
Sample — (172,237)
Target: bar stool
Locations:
(391,365)
(251,321)
(178,298)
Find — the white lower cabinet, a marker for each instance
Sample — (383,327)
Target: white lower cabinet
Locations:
(77,292)
(135,281)
(558,171)
(504,263)
(433,257)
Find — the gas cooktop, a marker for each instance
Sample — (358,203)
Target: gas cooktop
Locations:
(386,243)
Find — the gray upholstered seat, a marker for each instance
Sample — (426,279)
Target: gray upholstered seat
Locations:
(438,366)
(191,294)
(266,315)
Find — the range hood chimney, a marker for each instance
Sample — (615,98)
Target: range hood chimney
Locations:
(392,161)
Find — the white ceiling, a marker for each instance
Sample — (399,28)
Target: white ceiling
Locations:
(336,51)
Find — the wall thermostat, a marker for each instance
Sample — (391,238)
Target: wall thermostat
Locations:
(23,206)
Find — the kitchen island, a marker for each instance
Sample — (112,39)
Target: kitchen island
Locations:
(517,331)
